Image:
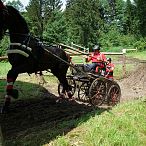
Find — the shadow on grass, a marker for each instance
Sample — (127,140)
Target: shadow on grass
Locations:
(36,120)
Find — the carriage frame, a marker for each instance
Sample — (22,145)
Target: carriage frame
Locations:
(92,88)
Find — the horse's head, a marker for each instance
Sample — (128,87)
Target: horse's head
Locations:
(3,19)
(9,19)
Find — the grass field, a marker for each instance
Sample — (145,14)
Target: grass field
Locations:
(4,67)
(123,125)
(138,55)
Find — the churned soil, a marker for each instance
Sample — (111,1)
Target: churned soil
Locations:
(134,85)
(42,115)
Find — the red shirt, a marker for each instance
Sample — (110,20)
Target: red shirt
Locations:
(110,67)
(97,57)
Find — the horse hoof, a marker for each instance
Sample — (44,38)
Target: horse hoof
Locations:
(4,109)
(62,95)
(72,99)
(15,93)
(69,94)
(58,100)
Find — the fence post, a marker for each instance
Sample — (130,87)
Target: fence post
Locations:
(143,62)
(124,62)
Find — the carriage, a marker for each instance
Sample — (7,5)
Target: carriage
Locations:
(93,88)
(27,54)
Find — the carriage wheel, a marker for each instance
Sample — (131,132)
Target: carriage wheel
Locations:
(83,93)
(97,92)
(114,95)
(72,85)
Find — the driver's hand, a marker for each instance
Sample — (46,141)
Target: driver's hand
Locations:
(86,59)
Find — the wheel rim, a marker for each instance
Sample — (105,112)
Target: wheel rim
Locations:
(83,92)
(97,92)
(72,85)
(60,88)
(114,95)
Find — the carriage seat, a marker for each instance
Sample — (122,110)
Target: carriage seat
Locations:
(80,69)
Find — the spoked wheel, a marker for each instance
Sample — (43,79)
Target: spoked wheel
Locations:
(72,85)
(83,93)
(114,95)
(97,92)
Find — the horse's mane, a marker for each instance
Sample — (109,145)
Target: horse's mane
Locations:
(15,14)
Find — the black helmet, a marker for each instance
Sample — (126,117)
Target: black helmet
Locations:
(96,47)
(109,59)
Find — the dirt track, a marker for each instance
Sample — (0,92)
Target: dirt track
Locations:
(134,86)
(41,116)
(38,121)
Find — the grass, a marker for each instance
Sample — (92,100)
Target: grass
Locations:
(123,126)
(139,55)
(28,84)
(113,49)
(4,67)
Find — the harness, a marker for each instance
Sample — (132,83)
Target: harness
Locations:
(18,48)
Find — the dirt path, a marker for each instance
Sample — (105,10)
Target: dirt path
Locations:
(134,86)
(42,115)
(39,120)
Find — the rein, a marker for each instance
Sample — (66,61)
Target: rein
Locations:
(73,66)
(28,48)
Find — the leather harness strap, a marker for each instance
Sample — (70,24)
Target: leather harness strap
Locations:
(24,50)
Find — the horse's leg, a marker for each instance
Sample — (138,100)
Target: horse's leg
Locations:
(42,79)
(62,79)
(10,92)
(11,78)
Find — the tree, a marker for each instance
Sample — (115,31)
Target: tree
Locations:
(141,14)
(130,19)
(39,11)
(84,22)
(16,4)
(55,30)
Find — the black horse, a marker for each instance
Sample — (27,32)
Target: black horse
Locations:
(27,54)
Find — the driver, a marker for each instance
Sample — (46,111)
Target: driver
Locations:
(98,60)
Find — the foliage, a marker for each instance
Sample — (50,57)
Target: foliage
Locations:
(83,18)
(85,22)
(130,21)
(140,44)
(55,30)
(39,12)
(16,4)
(3,46)
(141,11)
(110,38)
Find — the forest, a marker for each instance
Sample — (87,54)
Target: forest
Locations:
(112,23)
